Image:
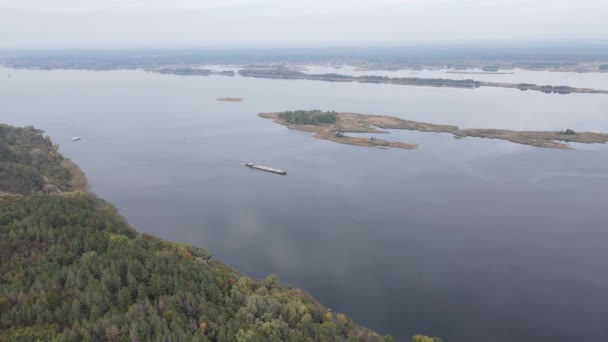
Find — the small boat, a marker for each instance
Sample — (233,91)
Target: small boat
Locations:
(76,138)
(266,168)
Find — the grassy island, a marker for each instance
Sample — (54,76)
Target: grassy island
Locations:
(335,127)
(71,269)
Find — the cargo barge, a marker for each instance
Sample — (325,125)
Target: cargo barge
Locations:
(266,168)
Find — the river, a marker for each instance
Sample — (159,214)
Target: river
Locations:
(469,240)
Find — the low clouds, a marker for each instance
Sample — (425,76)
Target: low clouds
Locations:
(231,23)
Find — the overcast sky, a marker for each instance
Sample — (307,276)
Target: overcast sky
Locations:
(272,23)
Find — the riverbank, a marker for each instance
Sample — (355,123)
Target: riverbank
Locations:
(94,275)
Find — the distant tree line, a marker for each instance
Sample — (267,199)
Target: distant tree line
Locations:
(548,89)
(293,74)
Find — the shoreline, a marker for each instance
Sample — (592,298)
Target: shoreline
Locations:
(72,209)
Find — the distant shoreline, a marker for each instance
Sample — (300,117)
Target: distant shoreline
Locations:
(285,73)
(289,71)
(479,73)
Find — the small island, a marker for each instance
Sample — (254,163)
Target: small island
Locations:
(230,99)
(334,126)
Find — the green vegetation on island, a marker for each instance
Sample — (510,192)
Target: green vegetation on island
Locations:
(71,269)
(309,117)
(286,73)
(332,126)
(337,124)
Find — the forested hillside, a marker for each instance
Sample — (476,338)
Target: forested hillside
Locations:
(29,163)
(71,269)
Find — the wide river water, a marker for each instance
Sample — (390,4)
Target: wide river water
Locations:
(469,240)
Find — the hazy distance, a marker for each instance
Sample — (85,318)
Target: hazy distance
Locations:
(275,23)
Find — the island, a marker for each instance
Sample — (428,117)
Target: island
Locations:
(334,126)
(72,269)
(287,73)
(230,99)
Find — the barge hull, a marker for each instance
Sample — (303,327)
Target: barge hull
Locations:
(266,168)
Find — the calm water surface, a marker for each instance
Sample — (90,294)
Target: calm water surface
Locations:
(466,239)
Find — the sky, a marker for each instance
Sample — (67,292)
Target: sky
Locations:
(285,23)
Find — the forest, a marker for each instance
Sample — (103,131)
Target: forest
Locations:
(72,269)
(29,163)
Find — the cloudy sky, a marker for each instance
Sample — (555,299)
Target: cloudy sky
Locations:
(272,23)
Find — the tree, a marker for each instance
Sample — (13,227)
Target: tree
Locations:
(112,332)
(423,338)
(568,132)
(271,281)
